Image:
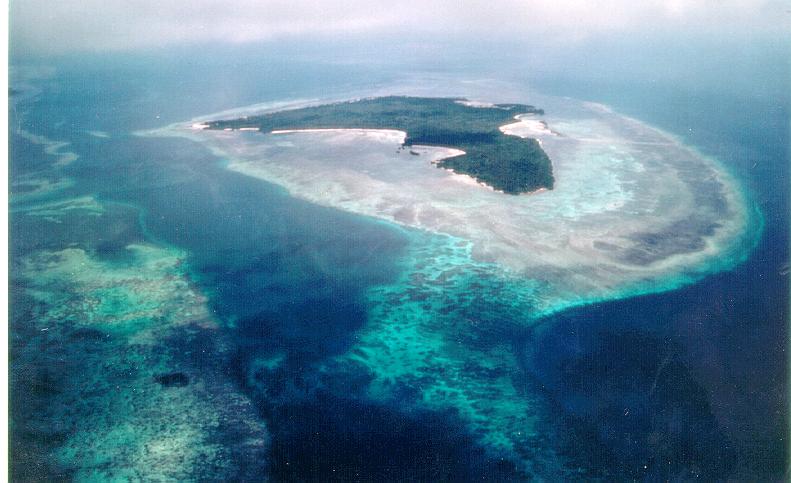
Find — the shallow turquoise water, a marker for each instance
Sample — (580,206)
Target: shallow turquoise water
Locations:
(359,349)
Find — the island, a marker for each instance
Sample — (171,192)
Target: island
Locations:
(507,163)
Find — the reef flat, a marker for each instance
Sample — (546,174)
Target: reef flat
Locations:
(633,211)
(491,156)
(608,229)
(360,314)
(107,332)
(119,393)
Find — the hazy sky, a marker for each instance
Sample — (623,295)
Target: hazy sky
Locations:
(46,26)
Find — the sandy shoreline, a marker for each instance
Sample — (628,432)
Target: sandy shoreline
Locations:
(385,135)
(585,235)
(527,127)
(590,227)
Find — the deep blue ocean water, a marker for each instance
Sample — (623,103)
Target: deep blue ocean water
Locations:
(677,385)
(727,334)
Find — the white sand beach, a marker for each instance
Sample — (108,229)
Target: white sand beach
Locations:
(632,211)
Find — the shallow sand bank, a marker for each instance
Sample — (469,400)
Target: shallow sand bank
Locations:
(633,209)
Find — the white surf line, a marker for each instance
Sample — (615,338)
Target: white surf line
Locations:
(624,141)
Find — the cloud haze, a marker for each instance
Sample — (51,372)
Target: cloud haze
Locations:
(96,25)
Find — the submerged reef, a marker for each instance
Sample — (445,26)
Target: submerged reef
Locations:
(506,163)
(105,375)
(118,368)
(633,211)
(124,369)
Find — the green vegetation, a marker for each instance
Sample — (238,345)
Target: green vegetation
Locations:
(507,163)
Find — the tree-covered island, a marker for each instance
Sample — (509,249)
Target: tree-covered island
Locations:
(511,164)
